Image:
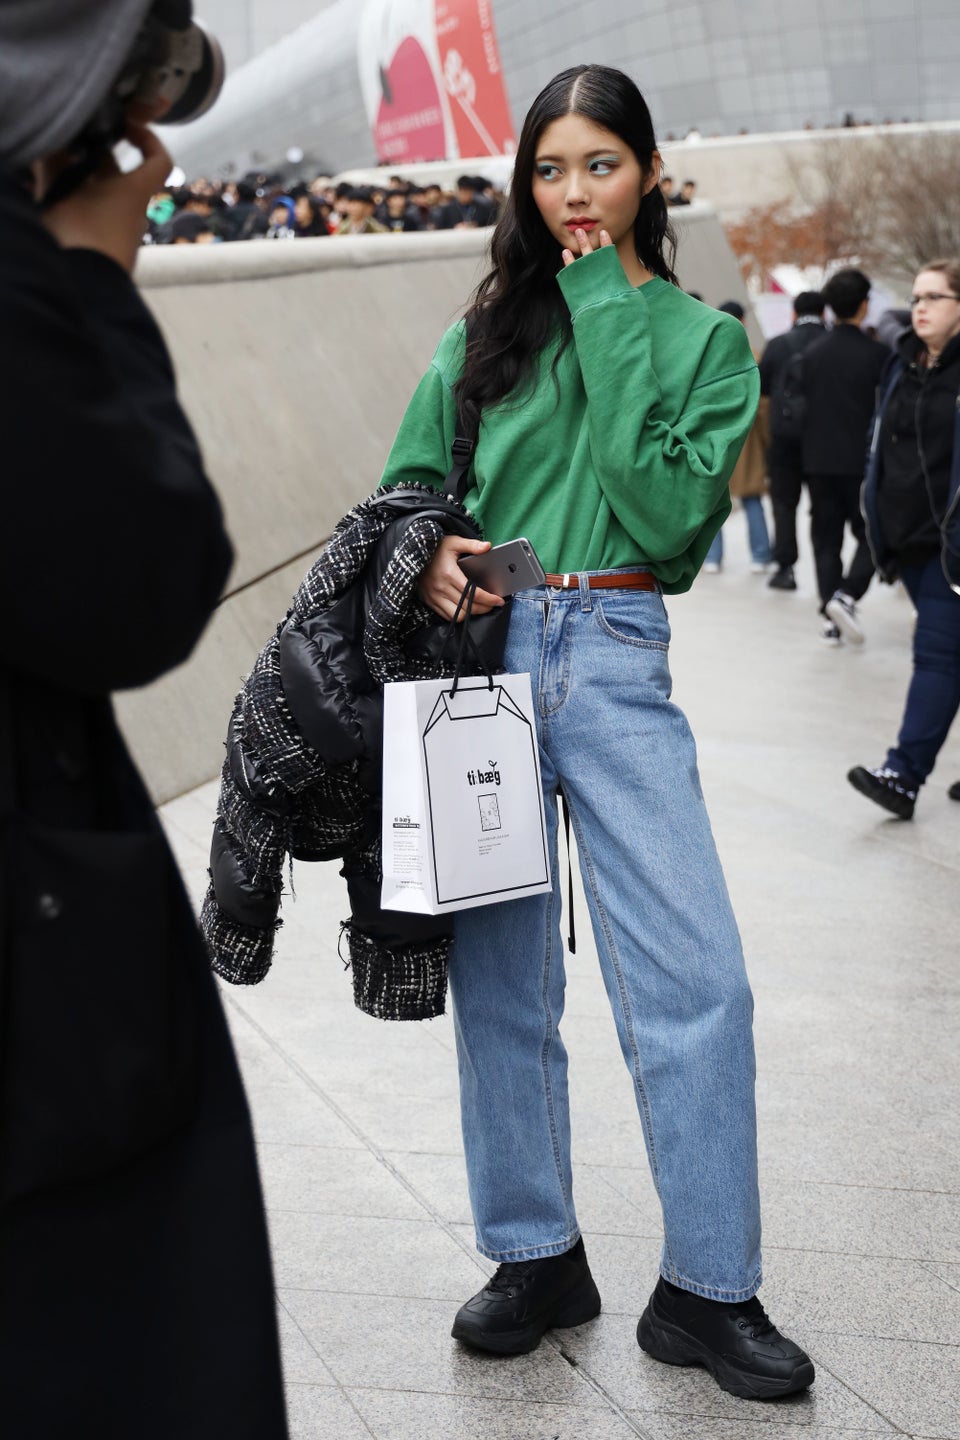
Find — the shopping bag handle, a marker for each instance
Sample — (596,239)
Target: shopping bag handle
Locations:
(466,639)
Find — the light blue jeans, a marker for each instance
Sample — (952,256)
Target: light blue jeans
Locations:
(669,950)
(757,535)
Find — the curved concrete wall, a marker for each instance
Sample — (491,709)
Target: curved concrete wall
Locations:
(295,363)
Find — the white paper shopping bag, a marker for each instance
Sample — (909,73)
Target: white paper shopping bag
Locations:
(463,820)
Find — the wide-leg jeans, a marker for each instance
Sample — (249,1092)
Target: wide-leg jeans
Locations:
(669,950)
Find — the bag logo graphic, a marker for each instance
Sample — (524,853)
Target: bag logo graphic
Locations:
(484,777)
(489,812)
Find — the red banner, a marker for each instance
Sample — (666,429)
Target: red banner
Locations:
(432,81)
(473,78)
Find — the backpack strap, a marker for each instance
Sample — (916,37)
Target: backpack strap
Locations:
(461,451)
(455,485)
(893,368)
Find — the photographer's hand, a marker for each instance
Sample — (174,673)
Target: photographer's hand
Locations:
(107,212)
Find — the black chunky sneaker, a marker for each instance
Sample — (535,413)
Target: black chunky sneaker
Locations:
(525,1298)
(885,787)
(954,791)
(743,1350)
(782,579)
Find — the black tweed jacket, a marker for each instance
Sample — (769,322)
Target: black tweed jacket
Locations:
(301,778)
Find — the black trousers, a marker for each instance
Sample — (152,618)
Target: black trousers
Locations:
(834,504)
(786,488)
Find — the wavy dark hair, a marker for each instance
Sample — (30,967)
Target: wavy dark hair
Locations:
(518,307)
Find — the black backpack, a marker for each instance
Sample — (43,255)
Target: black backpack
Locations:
(788,403)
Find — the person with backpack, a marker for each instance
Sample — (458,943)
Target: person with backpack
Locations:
(840,375)
(609,410)
(911,500)
(780,379)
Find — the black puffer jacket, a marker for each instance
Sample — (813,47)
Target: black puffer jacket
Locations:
(302,773)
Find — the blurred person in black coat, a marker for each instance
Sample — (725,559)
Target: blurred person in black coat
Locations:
(470,209)
(840,376)
(136,1293)
(784,451)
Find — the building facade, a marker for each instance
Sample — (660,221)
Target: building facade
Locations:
(324,80)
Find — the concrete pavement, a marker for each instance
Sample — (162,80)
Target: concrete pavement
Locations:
(849,922)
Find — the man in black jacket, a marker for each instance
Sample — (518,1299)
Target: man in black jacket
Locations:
(135,1286)
(784,453)
(470,210)
(840,375)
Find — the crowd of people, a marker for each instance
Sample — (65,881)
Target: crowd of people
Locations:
(262,207)
(865,421)
(674,194)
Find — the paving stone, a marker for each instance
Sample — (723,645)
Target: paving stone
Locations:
(860,1295)
(607,1350)
(917,1387)
(324,1181)
(405,1345)
(301,1363)
(411,1416)
(858,1219)
(685,1427)
(316,1413)
(360,1254)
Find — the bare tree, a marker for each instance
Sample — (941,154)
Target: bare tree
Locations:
(889,202)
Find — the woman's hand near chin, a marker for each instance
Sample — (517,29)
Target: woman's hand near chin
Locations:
(585,245)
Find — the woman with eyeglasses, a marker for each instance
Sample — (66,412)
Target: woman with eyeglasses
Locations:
(911,500)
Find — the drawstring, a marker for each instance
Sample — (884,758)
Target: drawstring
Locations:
(572,935)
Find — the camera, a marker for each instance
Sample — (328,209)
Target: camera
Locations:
(173,58)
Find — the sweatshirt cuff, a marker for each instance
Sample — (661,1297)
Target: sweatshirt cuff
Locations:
(592,279)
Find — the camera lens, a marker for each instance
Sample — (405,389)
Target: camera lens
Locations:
(193,90)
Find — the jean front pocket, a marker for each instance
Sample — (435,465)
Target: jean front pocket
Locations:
(634,618)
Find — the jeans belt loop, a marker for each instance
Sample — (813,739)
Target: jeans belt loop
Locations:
(586,601)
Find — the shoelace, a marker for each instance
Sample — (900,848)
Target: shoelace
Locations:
(759,1324)
(510,1273)
(894,781)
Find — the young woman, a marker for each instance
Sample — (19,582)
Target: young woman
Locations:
(910,497)
(612,408)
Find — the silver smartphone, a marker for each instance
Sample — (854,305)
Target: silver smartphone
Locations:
(504,569)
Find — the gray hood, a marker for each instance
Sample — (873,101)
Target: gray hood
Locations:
(58,59)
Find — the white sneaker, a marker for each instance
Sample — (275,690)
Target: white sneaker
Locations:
(711,568)
(760,567)
(843,612)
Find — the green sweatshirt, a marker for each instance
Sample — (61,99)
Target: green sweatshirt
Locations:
(627,463)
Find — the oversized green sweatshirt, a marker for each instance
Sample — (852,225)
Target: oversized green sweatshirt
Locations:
(625,459)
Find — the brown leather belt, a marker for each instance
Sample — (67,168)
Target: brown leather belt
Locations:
(627,580)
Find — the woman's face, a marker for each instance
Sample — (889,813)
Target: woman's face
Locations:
(587,178)
(935,321)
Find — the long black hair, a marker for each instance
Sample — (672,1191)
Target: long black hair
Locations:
(518,307)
